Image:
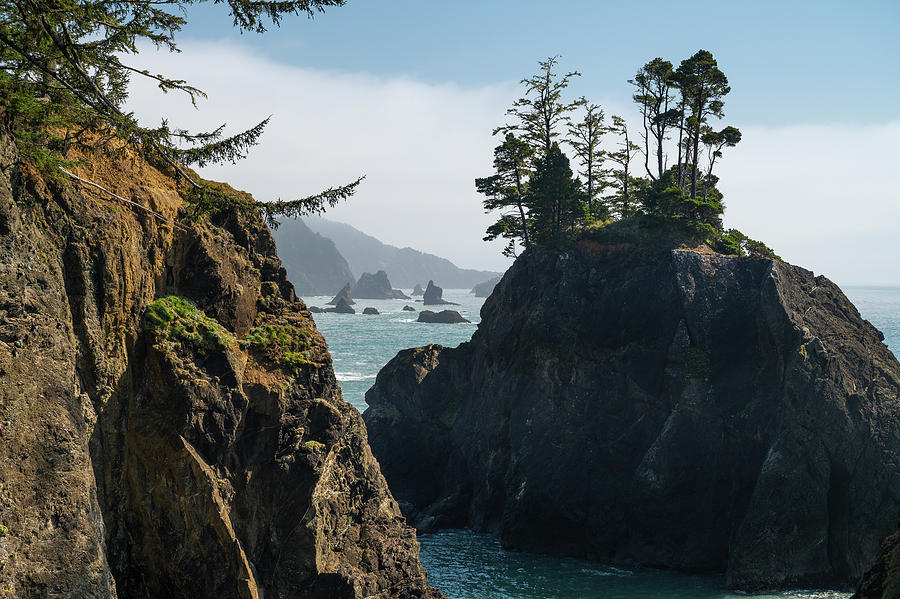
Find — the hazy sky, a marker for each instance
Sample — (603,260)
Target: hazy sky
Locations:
(407,93)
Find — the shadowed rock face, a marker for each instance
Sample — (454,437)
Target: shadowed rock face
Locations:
(882,581)
(672,408)
(163,452)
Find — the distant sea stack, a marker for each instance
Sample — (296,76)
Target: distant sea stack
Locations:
(343,294)
(485,289)
(376,286)
(417,290)
(677,409)
(313,263)
(342,307)
(433,296)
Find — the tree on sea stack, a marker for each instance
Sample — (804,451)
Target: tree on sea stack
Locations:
(64,78)
(505,190)
(541,112)
(703,87)
(585,137)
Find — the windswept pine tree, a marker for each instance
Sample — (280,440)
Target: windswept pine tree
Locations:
(64,75)
(506,191)
(540,200)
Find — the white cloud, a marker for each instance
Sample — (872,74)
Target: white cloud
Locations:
(420,146)
(824,196)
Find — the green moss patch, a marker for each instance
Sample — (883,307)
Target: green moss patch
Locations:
(288,344)
(314,446)
(178,321)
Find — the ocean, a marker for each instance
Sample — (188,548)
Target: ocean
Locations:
(467,565)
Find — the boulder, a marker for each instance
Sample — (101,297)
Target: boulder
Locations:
(370,311)
(433,295)
(408,309)
(672,408)
(442,317)
(344,294)
(376,286)
(315,309)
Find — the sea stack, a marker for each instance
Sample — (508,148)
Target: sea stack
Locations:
(376,286)
(674,408)
(342,307)
(433,296)
(343,294)
(417,290)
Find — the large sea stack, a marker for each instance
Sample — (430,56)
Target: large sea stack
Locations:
(170,423)
(672,408)
(376,286)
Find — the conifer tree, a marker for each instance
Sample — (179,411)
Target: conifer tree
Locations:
(654,82)
(622,157)
(703,87)
(505,190)
(555,199)
(64,76)
(541,112)
(585,137)
(714,142)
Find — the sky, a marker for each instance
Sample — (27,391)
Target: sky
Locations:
(407,93)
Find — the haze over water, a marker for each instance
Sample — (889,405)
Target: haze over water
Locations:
(466,565)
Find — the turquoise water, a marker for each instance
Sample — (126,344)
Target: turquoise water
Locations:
(361,344)
(466,565)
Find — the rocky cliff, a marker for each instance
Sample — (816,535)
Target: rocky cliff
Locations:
(679,409)
(407,267)
(313,263)
(170,424)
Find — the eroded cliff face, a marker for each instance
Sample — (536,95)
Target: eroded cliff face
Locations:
(670,408)
(151,446)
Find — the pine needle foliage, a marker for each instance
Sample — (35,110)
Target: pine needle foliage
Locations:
(65,71)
